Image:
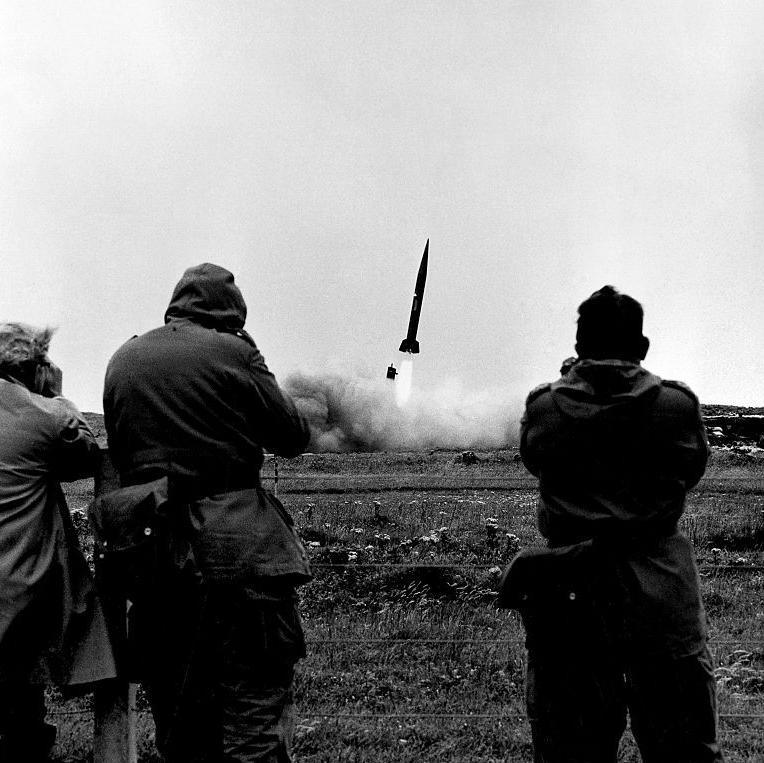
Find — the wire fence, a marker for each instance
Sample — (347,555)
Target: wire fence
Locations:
(506,642)
(291,483)
(396,716)
(312,484)
(488,565)
(471,716)
(370,483)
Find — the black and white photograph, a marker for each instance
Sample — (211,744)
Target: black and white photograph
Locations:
(381,381)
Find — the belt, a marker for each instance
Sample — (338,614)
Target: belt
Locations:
(192,476)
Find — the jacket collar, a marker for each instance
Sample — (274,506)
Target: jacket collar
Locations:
(593,387)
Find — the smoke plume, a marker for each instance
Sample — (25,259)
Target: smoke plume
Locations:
(353,413)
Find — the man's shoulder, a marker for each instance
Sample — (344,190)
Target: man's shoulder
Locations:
(129,354)
(180,349)
(134,342)
(678,394)
(202,340)
(679,385)
(537,392)
(51,415)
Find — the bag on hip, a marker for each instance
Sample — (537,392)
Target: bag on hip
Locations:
(138,537)
(564,596)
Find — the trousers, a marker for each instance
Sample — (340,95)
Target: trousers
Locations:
(25,737)
(217,663)
(578,703)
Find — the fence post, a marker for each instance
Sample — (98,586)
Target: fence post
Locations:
(114,733)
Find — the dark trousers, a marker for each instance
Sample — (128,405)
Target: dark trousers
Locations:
(218,666)
(24,735)
(578,702)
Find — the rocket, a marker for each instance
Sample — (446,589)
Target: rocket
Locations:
(410,344)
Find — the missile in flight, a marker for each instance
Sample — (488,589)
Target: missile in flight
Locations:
(410,344)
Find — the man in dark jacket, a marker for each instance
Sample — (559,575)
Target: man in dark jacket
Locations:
(219,638)
(615,449)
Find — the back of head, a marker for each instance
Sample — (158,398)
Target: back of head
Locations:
(610,326)
(207,294)
(22,349)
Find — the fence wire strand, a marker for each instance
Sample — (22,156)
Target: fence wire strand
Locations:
(506,641)
(398,716)
(488,565)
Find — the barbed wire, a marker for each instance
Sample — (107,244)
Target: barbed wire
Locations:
(516,642)
(525,479)
(488,565)
(398,716)
(287,474)
(400,565)
(468,716)
(444,483)
(312,641)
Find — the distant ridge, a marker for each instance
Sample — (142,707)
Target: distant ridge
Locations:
(95,420)
(732,410)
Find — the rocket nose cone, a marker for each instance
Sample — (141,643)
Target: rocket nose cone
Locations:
(425,257)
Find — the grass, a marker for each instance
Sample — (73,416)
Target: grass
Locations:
(387,641)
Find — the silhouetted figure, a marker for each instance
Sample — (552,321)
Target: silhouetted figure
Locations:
(48,609)
(189,408)
(612,609)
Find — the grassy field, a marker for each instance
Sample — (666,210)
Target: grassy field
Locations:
(408,657)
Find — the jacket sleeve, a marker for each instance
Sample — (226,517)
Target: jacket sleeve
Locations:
(111,410)
(686,451)
(526,449)
(530,430)
(75,449)
(282,428)
(697,451)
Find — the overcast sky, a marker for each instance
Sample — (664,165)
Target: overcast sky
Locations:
(545,148)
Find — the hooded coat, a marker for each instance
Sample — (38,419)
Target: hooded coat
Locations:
(46,440)
(615,449)
(195,400)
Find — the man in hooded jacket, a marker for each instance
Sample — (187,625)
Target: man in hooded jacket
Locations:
(615,449)
(217,640)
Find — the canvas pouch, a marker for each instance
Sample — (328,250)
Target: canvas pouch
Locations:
(561,594)
(139,537)
(540,577)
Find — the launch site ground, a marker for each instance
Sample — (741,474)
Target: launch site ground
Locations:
(408,658)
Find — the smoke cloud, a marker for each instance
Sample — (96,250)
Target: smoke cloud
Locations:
(354,413)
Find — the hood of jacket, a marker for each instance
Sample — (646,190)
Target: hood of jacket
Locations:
(207,294)
(596,387)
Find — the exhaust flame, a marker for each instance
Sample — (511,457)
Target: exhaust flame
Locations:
(404,381)
(356,413)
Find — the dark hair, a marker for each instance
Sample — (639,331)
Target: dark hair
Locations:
(610,326)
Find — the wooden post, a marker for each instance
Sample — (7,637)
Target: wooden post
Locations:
(114,734)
